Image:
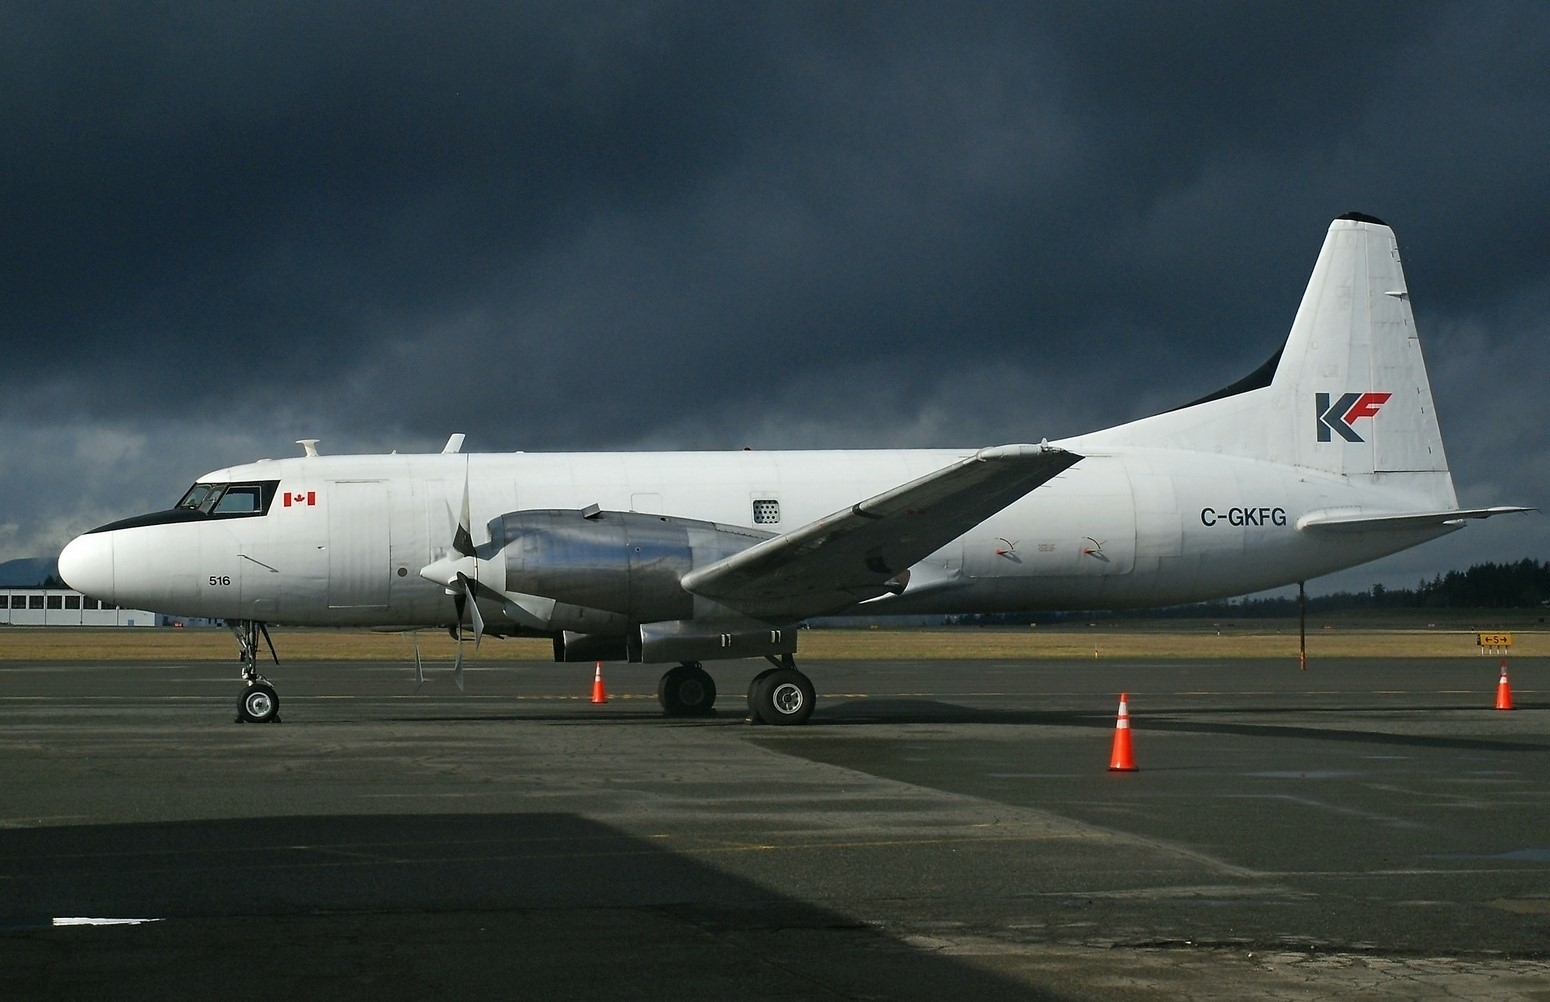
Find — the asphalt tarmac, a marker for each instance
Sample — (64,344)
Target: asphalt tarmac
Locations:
(939,830)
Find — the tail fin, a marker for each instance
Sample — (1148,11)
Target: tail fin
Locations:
(1346,395)
(1352,367)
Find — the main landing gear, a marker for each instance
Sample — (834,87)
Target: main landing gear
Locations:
(781,695)
(778,695)
(258,702)
(687,691)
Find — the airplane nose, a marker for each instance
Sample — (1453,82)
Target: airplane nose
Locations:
(86,564)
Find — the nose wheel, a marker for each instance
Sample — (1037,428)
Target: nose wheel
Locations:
(258,703)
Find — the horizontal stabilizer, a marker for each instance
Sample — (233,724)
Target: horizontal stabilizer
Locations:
(1379,522)
(861,552)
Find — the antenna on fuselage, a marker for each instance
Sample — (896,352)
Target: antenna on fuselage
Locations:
(308,445)
(454,444)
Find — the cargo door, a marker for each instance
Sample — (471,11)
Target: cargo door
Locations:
(359,544)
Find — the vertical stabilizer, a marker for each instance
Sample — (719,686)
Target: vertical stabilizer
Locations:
(1352,369)
(1346,395)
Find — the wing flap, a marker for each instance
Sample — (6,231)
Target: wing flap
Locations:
(860,552)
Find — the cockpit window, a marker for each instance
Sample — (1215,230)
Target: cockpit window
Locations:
(230,499)
(239,499)
(195,496)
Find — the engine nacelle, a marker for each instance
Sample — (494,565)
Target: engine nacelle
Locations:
(570,647)
(661,643)
(706,641)
(625,563)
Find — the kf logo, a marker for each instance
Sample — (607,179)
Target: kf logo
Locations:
(1337,417)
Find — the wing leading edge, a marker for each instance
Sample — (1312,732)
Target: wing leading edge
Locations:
(863,551)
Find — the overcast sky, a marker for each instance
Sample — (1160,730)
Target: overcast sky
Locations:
(571,227)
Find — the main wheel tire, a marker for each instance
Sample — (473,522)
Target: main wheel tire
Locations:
(687,691)
(782,696)
(258,704)
(753,694)
(753,686)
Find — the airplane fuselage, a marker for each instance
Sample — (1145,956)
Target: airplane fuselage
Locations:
(343,537)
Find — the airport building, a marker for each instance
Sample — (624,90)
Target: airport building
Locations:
(64,607)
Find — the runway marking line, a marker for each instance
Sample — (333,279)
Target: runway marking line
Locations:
(1383,819)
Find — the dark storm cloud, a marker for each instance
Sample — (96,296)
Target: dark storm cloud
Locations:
(700,226)
(243,184)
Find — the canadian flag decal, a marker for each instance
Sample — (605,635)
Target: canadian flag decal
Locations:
(290,498)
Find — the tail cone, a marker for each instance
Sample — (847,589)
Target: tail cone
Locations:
(1123,757)
(599,694)
(1504,690)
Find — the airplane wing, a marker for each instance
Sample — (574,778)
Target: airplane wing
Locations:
(1380,521)
(865,550)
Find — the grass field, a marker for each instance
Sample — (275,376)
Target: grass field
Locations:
(1345,636)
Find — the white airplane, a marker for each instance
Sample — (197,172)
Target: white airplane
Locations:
(1327,456)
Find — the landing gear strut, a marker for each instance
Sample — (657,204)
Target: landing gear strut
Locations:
(258,702)
(781,695)
(687,691)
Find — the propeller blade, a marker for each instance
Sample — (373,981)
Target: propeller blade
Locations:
(459,602)
(460,577)
(472,601)
(419,668)
(463,539)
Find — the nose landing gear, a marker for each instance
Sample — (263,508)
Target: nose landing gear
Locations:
(258,702)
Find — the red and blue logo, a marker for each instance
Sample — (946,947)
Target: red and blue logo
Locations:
(1338,417)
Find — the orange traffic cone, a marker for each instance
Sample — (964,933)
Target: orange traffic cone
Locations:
(1123,757)
(1504,690)
(599,694)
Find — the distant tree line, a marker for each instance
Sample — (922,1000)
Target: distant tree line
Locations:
(1523,585)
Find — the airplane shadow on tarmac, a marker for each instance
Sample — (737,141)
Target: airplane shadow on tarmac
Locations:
(917,711)
(871,711)
(415,906)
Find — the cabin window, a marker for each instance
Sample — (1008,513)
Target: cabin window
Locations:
(766,512)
